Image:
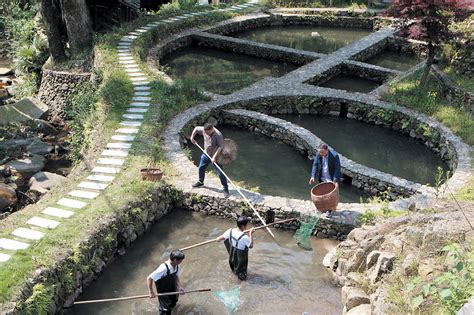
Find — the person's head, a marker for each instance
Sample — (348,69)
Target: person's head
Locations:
(208,129)
(323,149)
(176,257)
(242,222)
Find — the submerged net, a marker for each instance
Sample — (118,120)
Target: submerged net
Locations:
(230,298)
(303,234)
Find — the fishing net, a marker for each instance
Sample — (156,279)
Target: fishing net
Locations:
(230,299)
(303,234)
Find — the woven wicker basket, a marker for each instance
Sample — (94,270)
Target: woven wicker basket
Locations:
(152,174)
(325,196)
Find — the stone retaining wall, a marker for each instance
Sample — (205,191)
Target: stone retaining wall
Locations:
(56,86)
(270,52)
(453,92)
(279,20)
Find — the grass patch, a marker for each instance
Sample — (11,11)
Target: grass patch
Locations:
(427,99)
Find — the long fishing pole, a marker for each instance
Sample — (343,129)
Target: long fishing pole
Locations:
(140,296)
(245,198)
(246,231)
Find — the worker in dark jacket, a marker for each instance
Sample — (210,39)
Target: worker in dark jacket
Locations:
(238,245)
(166,279)
(326,166)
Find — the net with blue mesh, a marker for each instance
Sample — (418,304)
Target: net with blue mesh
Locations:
(230,298)
(304,232)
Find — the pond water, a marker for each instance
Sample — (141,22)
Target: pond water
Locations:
(273,166)
(283,279)
(374,146)
(299,37)
(394,60)
(350,83)
(219,71)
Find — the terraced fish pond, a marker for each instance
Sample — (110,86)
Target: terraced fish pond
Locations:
(350,83)
(283,279)
(272,167)
(329,39)
(219,71)
(374,146)
(394,60)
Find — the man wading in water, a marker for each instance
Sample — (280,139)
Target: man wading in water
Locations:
(213,144)
(166,278)
(238,244)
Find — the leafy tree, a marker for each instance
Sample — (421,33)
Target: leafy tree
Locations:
(429,21)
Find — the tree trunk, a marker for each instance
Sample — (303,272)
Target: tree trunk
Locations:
(429,63)
(330,3)
(51,14)
(78,25)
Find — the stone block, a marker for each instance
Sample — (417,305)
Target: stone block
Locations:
(27,109)
(27,166)
(42,182)
(363,309)
(7,196)
(354,297)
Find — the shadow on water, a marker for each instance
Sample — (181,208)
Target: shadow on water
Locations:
(283,279)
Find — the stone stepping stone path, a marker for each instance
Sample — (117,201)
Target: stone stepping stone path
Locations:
(112,156)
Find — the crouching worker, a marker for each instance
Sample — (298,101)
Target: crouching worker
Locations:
(238,244)
(166,278)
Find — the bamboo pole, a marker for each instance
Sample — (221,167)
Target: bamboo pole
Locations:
(238,190)
(246,231)
(139,296)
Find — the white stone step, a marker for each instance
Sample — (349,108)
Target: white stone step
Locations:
(123,138)
(44,223)
(124,44)
(136,33)
(140,104)
(92,185)
(106,170)
(142,88)
(28,234)
(126,130)
(127,39)
(137,74)
(125,54)
(141,98)
(132,70)
(128,62)
(118,153)
(56,212)
(142,83)
(72,203)
(128,123)
(83,194)
(4,257)
(100,178)
(125,58)
(137,110)
(144,28)
(141,93)
(116,145)
(141,80)
(131,65)
(133,116)
(6,243)
(105,161)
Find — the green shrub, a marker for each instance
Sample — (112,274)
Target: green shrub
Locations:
(81,105)
(39,301)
